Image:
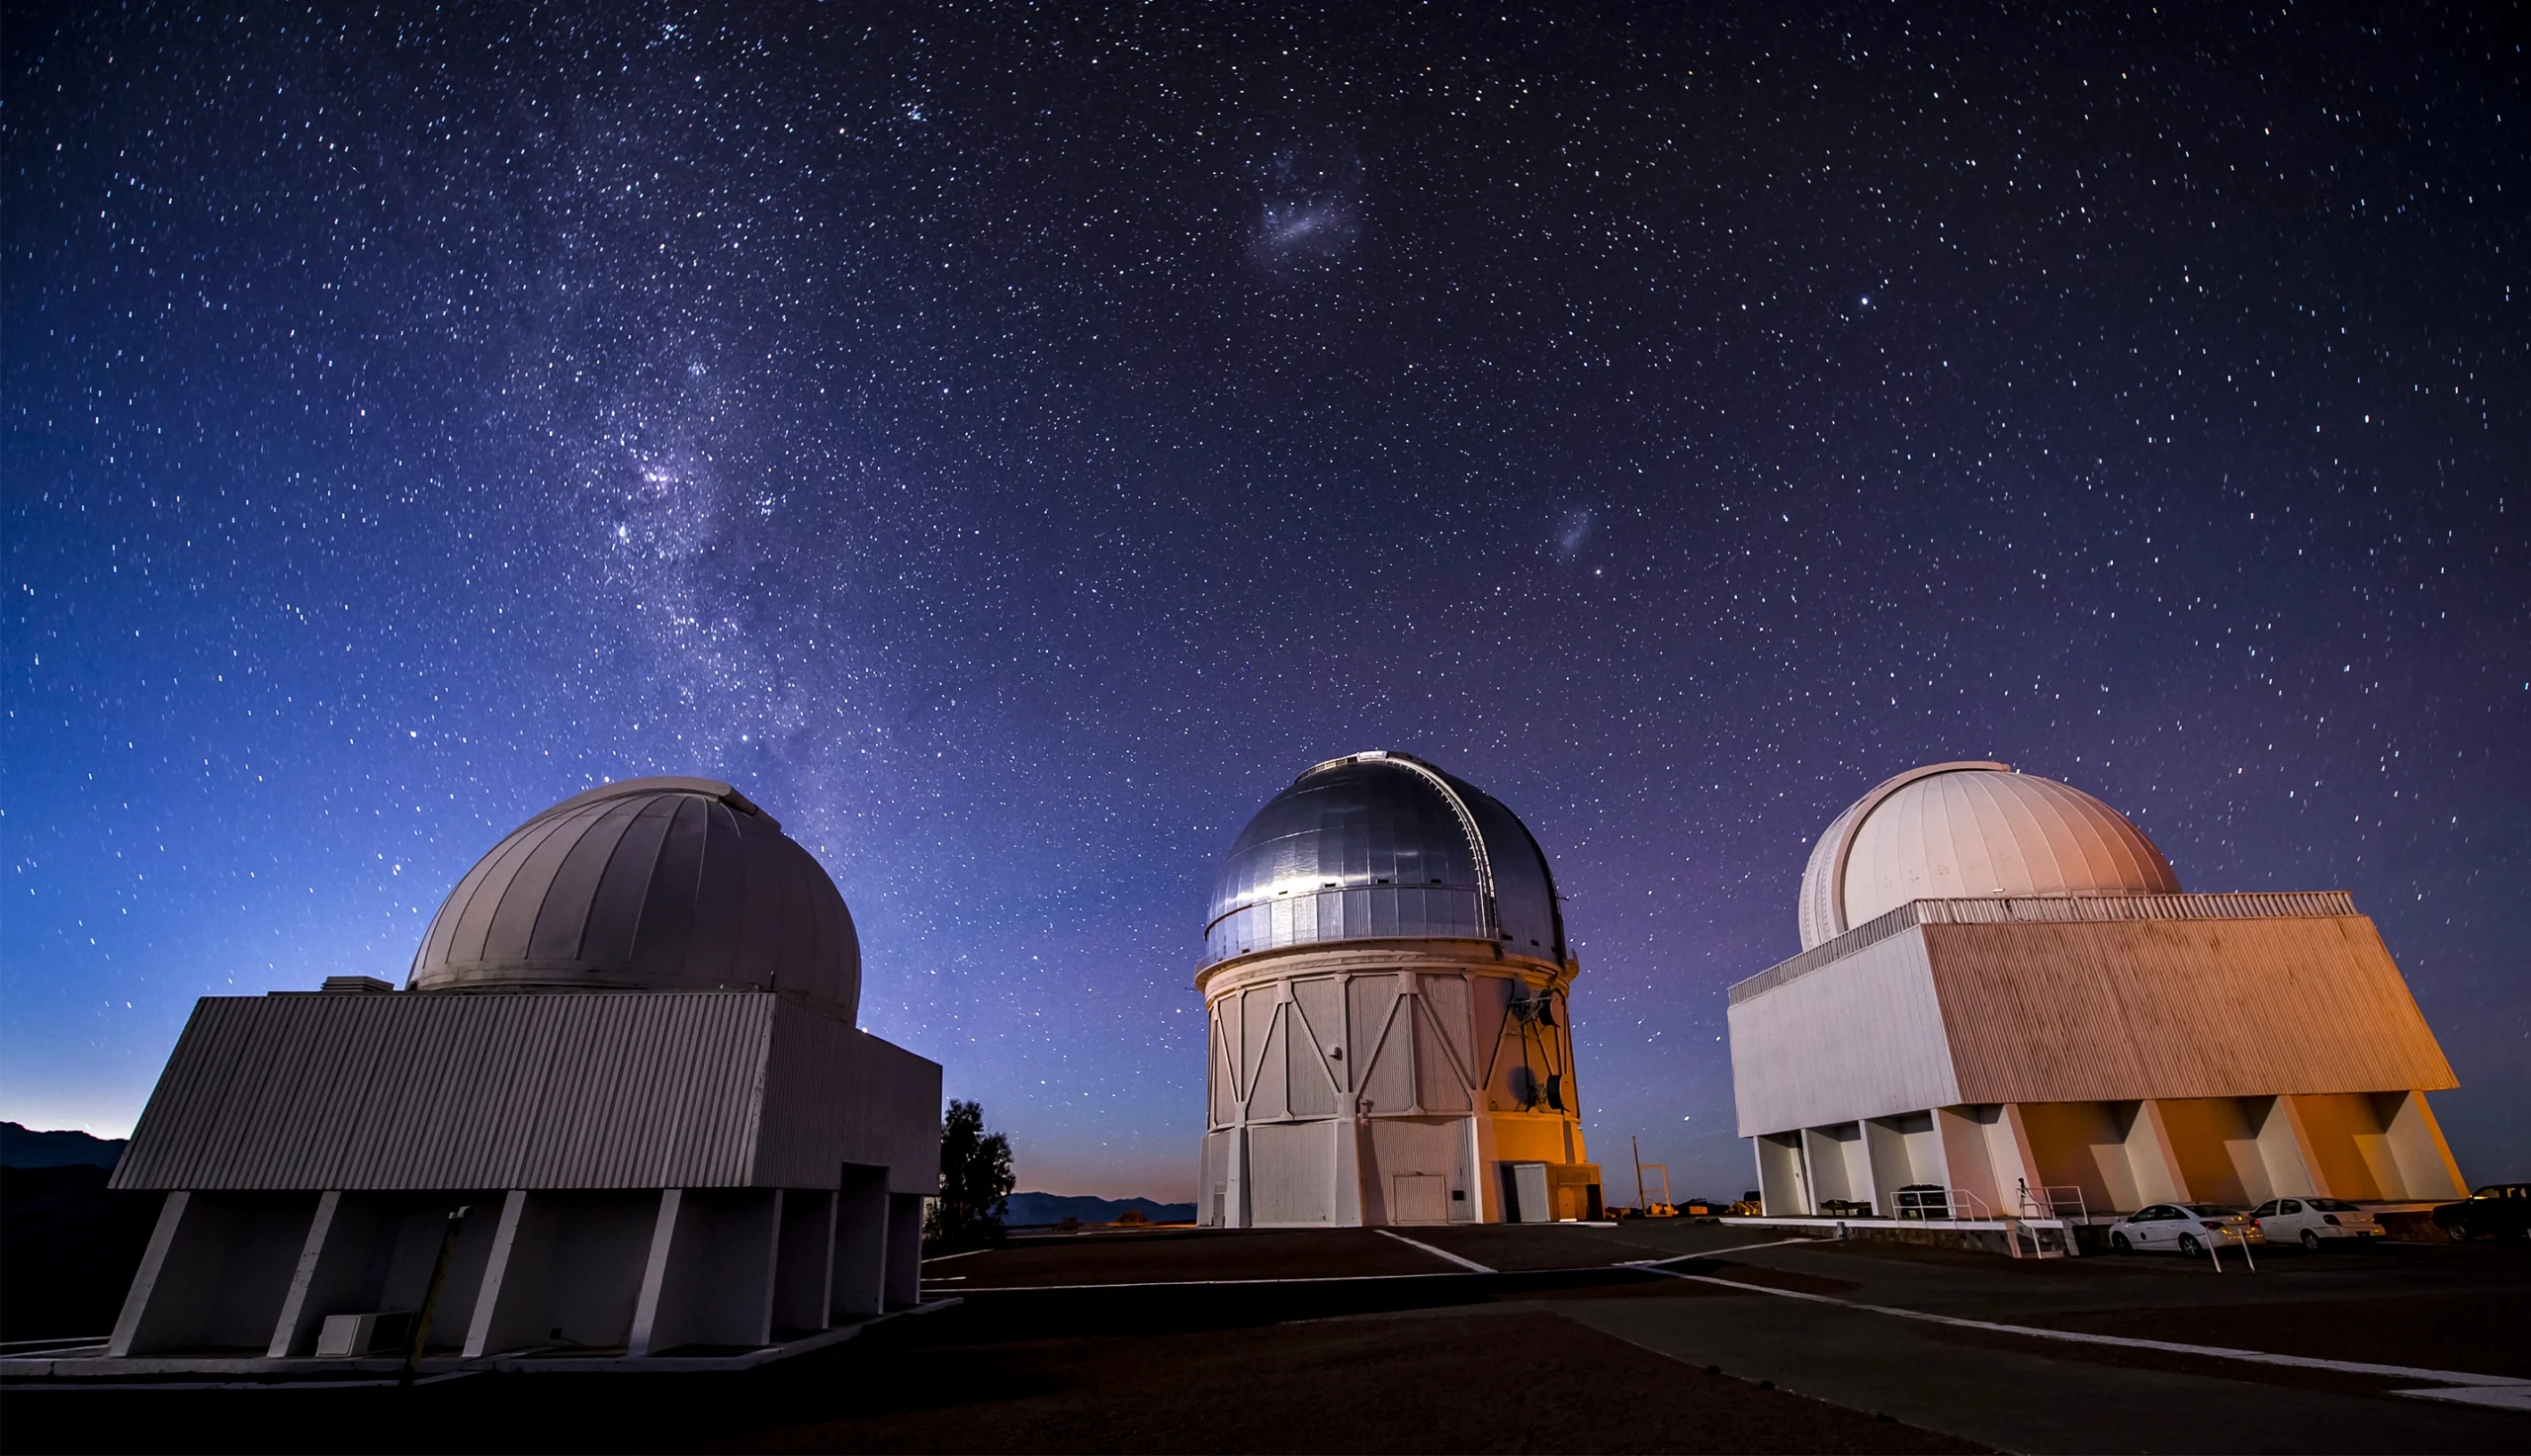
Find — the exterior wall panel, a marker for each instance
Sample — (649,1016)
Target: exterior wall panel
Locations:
(2177,1008)
(1860,1038)
(570,1090)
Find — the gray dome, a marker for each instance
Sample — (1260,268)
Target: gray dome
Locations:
(1381,846)
(663,883)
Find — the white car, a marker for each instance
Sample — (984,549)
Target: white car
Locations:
(2182,1228)
(2312,1222)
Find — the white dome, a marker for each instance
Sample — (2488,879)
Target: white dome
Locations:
(1963,830)
(665,884)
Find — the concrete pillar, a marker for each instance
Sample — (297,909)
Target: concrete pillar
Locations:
(804,1262)
(2416,1147)
(216,1273)
(904,1281)
(295,1332)
(2151,1157)
(153,1271)
(497,1280)
(1783,1190)
(860,1243)
(2020,1185)
(2329,1131)
(1887,1163)
(2279,1152)
(708,1278)
(1966,1168)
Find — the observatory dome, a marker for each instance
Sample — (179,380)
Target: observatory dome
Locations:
(1383,846)
(1961,831)
(665,884)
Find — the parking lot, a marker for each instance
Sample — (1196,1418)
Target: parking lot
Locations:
(1667,1336)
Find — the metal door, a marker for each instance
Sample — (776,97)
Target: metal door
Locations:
(1419,1198)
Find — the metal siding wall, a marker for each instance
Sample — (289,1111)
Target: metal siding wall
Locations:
(1292,1172)
(2019,910)
(1861,1038)
(835,1094)
(2110,1010)
(448,1090)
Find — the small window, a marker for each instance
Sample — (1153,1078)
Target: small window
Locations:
(2334,1205)
(2289,1206)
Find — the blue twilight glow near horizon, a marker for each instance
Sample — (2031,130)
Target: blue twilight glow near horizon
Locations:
(1010,448)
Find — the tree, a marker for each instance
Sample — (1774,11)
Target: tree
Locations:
(975,1179)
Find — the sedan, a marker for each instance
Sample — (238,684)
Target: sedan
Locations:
(2182,1228)
(2312,1222)
(2496,1211)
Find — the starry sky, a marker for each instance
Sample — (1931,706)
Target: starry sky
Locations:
(1010,444)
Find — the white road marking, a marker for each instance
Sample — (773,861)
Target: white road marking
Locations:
(2501,1396)
(1680,1258)
(942,1258)
(2259,1357)
(1468,1264)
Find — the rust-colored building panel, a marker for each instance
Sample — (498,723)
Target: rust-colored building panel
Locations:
(2108,1009)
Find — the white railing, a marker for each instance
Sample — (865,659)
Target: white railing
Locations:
(2058,1201)
(1934,1205)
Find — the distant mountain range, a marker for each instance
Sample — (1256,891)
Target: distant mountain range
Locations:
(1053,1208)
(26,1147)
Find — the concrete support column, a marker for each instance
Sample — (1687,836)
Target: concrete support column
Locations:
(2279,1152)
(295,1332)
(1967,1163)
(2152,1159)
(804,1262)
(488,1301)
(860,1243)
(709,1276)
(904,1282)
(134,1326)
(2016,1163)
(1886,1167)
(216,1273)
(2416,1147)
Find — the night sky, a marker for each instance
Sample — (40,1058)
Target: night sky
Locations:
(1011,445)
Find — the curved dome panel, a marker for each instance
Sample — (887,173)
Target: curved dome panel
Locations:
(664,884)
(1963,830)
(1382,846)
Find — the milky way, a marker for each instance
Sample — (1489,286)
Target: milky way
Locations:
(1010,447)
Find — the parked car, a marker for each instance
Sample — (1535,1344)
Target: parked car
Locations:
(2312,1222)
(2496,1211)
(2182,1228)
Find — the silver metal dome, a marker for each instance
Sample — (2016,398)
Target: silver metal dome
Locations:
(665,884)
(1383,846)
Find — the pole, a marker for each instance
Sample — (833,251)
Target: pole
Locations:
(1637,1144)
(430,1300)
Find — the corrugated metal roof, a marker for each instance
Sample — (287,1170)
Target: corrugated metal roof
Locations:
(2047,909)
(418,1090)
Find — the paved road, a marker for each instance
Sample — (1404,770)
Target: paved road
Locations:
(2029,1400)
(2042,1397)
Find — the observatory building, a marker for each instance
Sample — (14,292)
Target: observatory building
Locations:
(626,1049)
(2003,992)
(1384,977)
